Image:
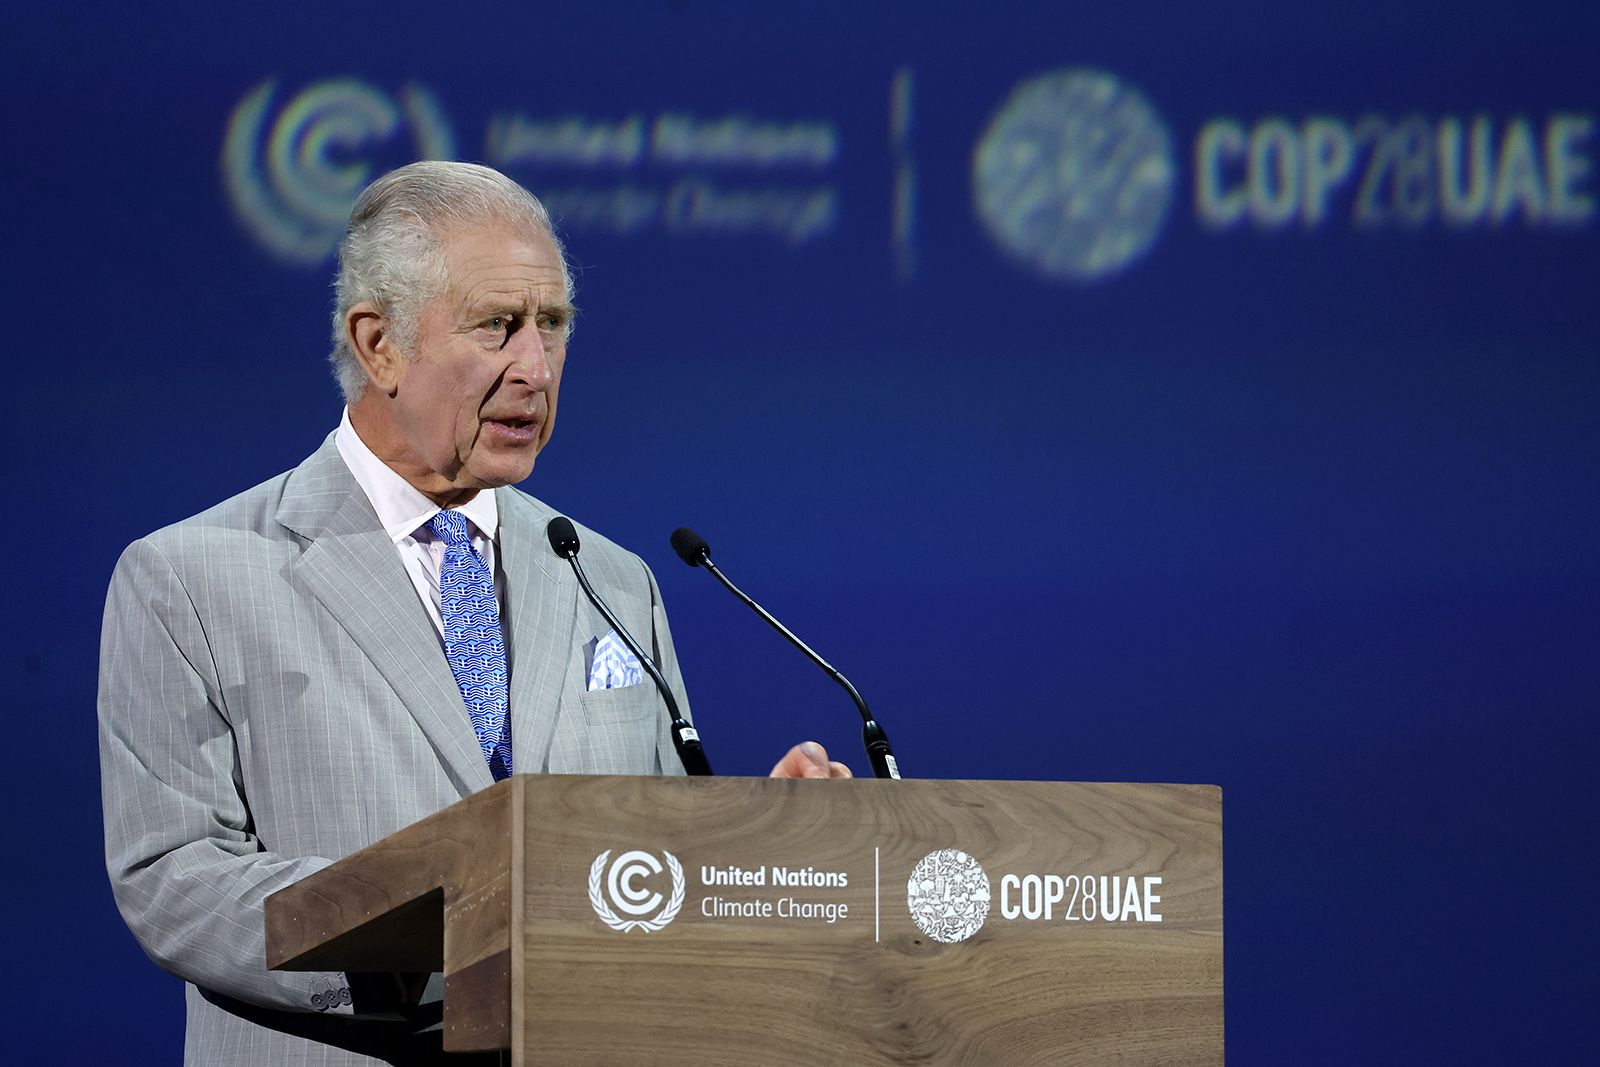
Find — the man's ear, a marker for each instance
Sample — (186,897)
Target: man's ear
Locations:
(372,338)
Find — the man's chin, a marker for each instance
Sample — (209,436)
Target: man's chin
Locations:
(505,472)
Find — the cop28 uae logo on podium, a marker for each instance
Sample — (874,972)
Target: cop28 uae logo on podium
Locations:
(615,886)
(948,895)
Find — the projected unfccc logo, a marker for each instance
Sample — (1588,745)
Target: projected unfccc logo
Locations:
(293,178)
(623,886)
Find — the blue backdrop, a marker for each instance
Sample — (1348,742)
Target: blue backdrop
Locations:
(1127,392)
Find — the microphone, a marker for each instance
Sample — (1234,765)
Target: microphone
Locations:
(693,550)
(564,540)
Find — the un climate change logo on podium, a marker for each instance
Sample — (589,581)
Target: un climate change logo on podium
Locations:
(620,887)
(948,894)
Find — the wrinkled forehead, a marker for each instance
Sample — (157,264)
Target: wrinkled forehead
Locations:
(469,247)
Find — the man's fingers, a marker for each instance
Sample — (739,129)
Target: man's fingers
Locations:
(813,760)
(809,760)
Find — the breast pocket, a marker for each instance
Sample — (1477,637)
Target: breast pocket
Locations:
(620,729)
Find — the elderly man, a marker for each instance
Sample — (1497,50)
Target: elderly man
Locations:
(372,636)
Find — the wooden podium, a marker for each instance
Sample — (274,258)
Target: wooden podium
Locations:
(748,920)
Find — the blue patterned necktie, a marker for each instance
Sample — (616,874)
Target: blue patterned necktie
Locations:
(472,640)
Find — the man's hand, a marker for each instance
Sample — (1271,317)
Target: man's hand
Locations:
(809,760)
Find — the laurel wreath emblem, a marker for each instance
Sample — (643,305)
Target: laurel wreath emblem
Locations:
(597,898)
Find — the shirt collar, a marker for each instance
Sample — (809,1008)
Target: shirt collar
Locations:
(401,507)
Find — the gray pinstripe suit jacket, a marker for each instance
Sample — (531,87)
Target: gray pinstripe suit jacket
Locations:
(273,697)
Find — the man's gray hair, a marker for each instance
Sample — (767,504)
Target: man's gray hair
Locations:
(390,254)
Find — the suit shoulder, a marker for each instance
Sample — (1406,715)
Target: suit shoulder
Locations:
(238,519)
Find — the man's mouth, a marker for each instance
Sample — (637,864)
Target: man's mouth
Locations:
(516,431)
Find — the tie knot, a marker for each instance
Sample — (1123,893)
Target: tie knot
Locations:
(450,527)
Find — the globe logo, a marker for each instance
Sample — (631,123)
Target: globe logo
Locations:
(948,895)
(1074,175)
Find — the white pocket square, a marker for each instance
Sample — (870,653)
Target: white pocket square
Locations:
(614,667)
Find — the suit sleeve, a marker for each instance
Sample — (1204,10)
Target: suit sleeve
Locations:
(187,871)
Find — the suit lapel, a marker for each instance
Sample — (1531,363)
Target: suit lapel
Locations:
(353,569)
(541,603)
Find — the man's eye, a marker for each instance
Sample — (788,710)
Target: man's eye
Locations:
(549,323)
(498,323)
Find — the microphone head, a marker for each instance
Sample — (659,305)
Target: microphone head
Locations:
(563,537)
(690,546)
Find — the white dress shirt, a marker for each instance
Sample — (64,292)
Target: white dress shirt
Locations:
(405,514)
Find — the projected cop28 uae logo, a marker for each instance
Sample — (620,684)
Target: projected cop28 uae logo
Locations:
(1074,175)
(616,885)
(293,177)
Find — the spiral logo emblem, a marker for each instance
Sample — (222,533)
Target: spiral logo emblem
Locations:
(948,894)
(292,179)
(622,885)
(1074,175)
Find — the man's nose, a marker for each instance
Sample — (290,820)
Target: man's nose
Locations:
(530,359)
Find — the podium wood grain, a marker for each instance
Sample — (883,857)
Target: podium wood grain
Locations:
(530,967)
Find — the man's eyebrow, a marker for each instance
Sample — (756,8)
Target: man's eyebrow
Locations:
(497,305)
(512,305)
